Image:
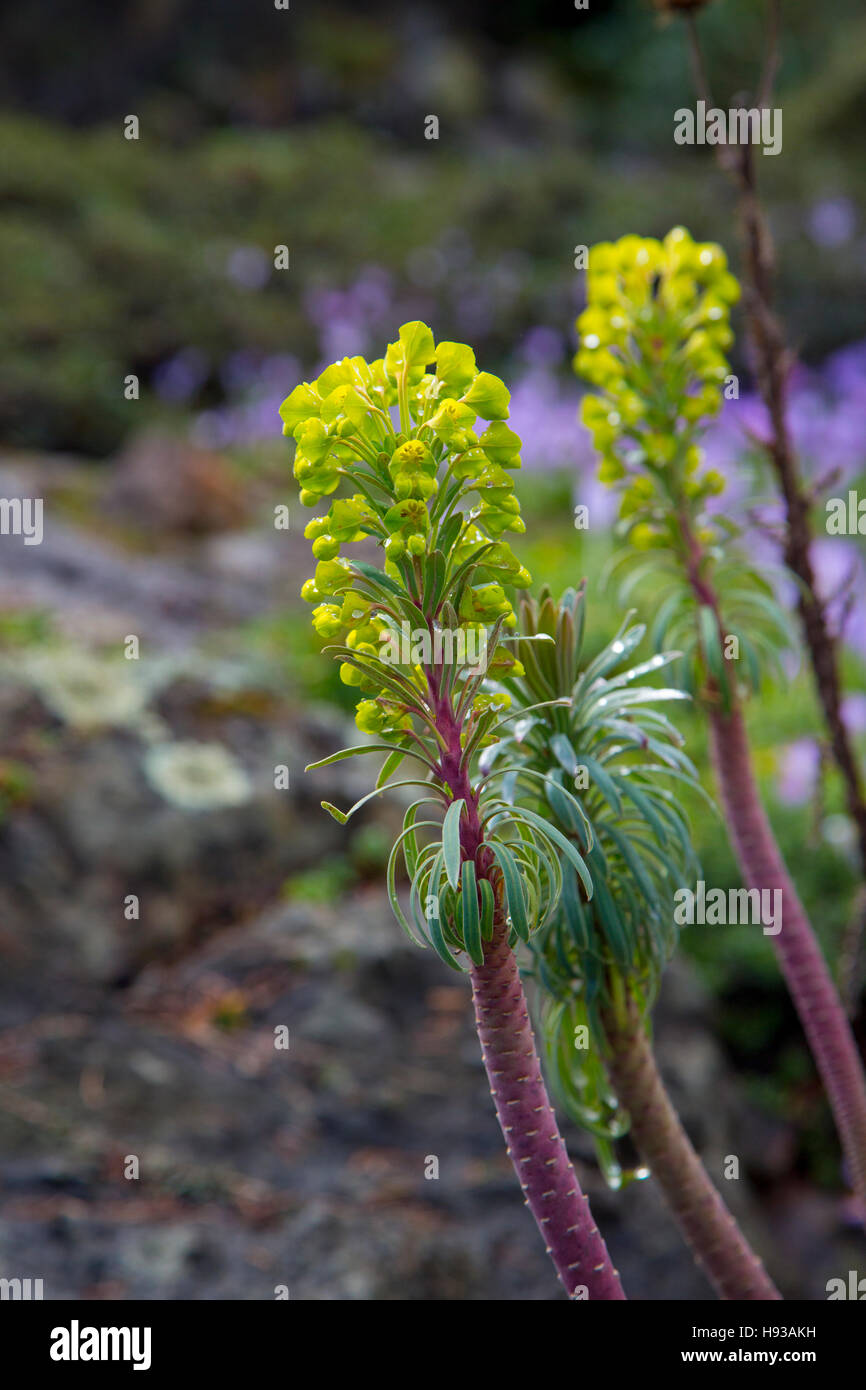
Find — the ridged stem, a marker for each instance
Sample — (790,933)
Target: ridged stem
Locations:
(800,957)
(532,1138)
(534,1143)
(803,966)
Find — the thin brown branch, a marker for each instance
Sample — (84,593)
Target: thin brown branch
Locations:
(772,361)
(772,53)
(696,57)
(850,967)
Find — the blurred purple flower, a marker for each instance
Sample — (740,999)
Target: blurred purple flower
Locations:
(545,415)
(542,347)
(854,712)
(349,322)
(832,221)
(797,775)
(239,372)
(179,377)
(249,267)
(845,371)
(826,412)
(213,429)
(840,576)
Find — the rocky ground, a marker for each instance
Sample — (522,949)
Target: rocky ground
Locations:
(303,1166)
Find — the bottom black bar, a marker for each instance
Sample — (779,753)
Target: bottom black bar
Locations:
(80,1339)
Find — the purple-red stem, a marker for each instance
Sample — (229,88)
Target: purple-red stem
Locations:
(800,957)
(803,966)
(532,1138)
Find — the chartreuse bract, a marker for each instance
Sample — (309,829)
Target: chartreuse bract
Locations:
(413,458)
(653,340)
(598,725)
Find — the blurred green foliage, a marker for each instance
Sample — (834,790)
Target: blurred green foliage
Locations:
(555,130)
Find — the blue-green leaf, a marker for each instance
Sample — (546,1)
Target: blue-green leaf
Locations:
(488,908)
(560,747)
(604,781)
(451,841)
(352,753)
(513,890)
(471,916)
(390,765)
(342,816)
(565,845)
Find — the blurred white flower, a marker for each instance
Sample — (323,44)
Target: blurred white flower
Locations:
(197,776)
(85,689)
(839,831)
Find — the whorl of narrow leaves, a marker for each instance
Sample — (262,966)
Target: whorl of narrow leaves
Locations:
(607,738)
(653,340)
(425,634)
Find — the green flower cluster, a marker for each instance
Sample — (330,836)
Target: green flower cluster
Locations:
(653,339)
(400,440)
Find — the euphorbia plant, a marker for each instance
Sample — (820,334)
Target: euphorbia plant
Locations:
(422,635)
(598,962)
(653,340)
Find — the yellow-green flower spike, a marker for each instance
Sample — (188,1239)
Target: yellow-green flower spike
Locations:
(393,442)
(652,342)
